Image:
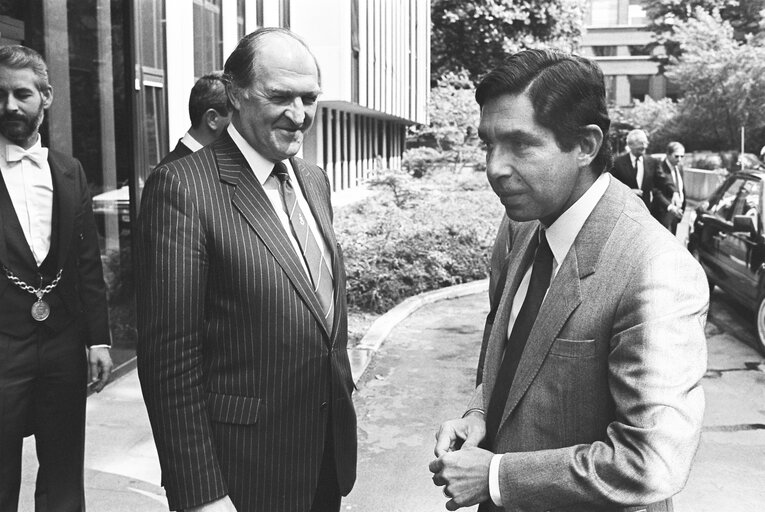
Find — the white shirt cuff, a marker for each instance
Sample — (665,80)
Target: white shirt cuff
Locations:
(100,346)
(496,497)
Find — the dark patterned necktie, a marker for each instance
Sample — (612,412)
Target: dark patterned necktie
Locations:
(317,264)
(540,281)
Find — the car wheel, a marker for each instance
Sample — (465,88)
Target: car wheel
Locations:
(760,320)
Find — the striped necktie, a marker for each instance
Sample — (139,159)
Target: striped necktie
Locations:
(317,264)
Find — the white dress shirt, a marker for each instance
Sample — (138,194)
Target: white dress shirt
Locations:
(560,235)
(677,179)
(30,186)
(262,168)
(190,142)
(640,169)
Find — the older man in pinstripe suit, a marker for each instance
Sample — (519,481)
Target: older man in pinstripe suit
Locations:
(242,315)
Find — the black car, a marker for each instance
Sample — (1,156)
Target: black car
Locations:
(727,238)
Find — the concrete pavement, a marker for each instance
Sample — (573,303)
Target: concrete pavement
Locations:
(421,375)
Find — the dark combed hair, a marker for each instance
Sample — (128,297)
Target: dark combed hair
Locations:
(208,92)
(21,57)
(239,72)
(566,91)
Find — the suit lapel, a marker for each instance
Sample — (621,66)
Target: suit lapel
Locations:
(253,204)
(520,258)
(564,295)
(312,184)
(65,199)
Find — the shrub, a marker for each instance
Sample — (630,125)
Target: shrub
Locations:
(417,161)
(443,237)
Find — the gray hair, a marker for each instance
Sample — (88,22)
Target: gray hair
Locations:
(21,57)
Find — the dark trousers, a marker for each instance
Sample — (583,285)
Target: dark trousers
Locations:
(43,380)
(327,497)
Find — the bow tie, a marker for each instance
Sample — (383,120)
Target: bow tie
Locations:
(37,154)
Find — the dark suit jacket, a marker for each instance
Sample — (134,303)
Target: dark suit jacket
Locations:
(179,152)
(663,193)
(80,295)
(625,173)
(606,407)
(241,378)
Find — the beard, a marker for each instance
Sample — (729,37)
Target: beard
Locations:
(19,128)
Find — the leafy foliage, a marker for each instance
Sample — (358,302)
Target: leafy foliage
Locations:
(656,118)
(477,35)
(442,237)
(744,16)
(723,85)
(453,128)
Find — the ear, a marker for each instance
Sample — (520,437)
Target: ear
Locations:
(47,97)
(233,97)
(211,118)
(590,141)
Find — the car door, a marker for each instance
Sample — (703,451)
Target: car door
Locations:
(713,227)
(739,251)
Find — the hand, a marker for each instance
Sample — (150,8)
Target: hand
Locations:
(220,505)
(471,429)
(638,192)
(100,366)
(675,210)
(464,475)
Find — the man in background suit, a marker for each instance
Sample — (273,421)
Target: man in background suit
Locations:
(242,323)
(670,196)
(589,395)
(53,316)
(638,170)
(209,113)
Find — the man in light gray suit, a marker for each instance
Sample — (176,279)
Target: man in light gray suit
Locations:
(241,315)
(588,395)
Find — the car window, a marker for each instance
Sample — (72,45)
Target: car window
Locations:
(748,199)
(723,207)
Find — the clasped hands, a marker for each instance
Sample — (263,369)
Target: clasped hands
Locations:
(675,207)
(462,468)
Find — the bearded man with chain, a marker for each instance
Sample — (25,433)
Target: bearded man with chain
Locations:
(53,315)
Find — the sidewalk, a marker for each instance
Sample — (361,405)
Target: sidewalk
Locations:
(422,374)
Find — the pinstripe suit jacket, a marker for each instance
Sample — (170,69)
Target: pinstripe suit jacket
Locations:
(241,378)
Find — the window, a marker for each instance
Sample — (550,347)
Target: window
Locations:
(604,51)
(208,42)
(733,199)
(603,13)
(636,13)
(240,15)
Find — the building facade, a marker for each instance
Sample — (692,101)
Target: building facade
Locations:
(616,37)
(122,70)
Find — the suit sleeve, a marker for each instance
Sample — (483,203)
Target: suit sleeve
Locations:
(171,296)
(664,188)
(92,290)
(656,362)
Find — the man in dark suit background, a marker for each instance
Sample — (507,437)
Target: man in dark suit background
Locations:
(52,296)
(638,170)
(209,113)
(588,396)
(669,196)
(242,320)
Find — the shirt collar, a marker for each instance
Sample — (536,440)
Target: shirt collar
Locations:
(260,165)
(562,233)
(190,142)
(4,143)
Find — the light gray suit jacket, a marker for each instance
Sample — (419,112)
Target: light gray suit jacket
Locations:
(606,408)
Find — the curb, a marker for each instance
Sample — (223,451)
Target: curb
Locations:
(361,355)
